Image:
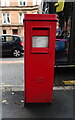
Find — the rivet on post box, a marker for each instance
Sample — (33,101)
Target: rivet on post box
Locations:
(39,56)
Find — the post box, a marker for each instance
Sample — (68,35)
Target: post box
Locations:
(40,35)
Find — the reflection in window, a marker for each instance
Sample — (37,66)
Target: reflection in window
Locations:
(74,51)
(40,41)
(15,38)
(8,38)
(61,48)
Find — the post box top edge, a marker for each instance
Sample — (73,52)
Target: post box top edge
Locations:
(29,17)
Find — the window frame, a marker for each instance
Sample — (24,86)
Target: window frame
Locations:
(6,18)
(34,2)
(22,1)
(21,19)
(5,3)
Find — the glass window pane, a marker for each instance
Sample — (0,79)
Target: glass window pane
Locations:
(34,2)
(7,2)
(8,18)
(24,3)
(3,39)
(21,16)
(40,41)
(8,38)
(2,2)
(20,2)
(74,52)
(4,18)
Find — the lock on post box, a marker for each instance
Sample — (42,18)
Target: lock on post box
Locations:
(40,35)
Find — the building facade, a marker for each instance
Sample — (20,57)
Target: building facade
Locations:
(12,14)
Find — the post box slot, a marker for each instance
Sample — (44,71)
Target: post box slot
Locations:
(43,31)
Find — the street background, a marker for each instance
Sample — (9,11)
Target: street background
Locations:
(12,69)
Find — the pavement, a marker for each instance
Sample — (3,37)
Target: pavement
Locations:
(62,106)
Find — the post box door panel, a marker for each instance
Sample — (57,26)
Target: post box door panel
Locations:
(40,39)
(39,61)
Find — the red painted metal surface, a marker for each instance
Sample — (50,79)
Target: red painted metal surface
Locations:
(39,61)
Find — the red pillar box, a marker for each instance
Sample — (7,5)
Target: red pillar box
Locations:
(40,32)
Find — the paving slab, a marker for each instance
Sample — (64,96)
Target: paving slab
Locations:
(61,107)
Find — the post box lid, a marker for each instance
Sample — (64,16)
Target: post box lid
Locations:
(37,17)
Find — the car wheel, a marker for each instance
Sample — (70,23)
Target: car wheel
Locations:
(16,53)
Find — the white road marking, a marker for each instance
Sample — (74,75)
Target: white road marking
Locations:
(21,88)
(9,62)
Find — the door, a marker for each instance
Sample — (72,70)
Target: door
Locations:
(39,61)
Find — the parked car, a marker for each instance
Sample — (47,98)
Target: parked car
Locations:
(11,45)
